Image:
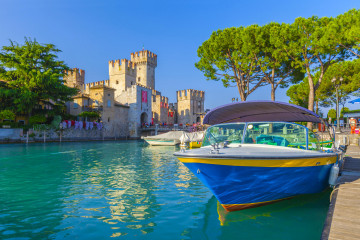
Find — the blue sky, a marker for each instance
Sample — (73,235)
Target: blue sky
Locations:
(90,33)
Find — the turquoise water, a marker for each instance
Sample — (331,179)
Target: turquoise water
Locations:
(107,190)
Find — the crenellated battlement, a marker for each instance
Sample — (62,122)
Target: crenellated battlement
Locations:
(164,99)
(144,56)
(75,72)
(155,92)
(140,85)
(123,66)
(74,77)
(189,94)
(98,83)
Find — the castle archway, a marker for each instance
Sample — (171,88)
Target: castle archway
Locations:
(144,118)
(198,119)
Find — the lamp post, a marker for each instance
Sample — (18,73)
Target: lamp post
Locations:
(337,85)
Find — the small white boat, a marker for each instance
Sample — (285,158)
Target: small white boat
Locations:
(171,138)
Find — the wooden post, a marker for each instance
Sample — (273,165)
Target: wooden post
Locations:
(27,137)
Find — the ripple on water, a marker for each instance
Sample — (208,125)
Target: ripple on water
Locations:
(102,190)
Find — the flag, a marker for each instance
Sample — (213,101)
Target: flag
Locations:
(144,96)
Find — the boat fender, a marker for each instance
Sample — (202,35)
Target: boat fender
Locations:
(334,173)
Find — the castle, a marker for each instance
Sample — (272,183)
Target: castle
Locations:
(128,99)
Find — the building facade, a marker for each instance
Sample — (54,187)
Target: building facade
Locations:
(129,100)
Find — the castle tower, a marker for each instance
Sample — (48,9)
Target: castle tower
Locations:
(190,106)
(74,78)
(122,74)
(146,63)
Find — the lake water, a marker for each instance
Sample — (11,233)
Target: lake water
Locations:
(127,190)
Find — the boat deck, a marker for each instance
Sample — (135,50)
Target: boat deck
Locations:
(343,220)
(253,151)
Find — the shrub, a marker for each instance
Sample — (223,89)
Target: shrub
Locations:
(89,114)
(7,114)
(37,119)
(56,122)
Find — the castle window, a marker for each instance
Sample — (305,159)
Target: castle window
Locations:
(154,98)
(76,105)
(117,82)
(138,79)
(108,119)
(139,68)
(109,103)
(109,94)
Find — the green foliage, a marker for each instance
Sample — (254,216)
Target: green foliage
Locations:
(223,57)
(37,119)
(89,115)
(31,74)
(41,127)
(299,94)
(332,114)
(344,110)
(279,54)
(67,116)
(326,93)
(350,72)
(56,122)
(345,32)
(351,111)
(7,114)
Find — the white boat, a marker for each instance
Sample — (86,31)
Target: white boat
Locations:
(171,138)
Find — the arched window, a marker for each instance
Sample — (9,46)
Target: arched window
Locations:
(109,103)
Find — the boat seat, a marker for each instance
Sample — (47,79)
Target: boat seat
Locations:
(272,140)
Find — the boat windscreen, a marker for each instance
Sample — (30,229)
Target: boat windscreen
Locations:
(233,133)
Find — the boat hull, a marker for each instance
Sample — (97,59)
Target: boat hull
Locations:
(247,183)
(155,142)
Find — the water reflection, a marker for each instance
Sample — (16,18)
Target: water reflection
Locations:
(102,190)
(301,217)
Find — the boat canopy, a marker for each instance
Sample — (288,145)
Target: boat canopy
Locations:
(260,111)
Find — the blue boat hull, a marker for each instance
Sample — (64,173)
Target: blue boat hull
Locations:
(240,187)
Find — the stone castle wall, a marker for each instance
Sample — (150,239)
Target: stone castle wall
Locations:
(129,78)
(75,78)
(190,106)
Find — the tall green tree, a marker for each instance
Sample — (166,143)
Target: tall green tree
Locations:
(325,95)
(349,71)
(272,60)
(31,73)
(345,31)
(332,114)
(307,45)
(223,57)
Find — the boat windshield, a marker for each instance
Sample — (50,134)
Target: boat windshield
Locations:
(231,132)
(271,133)
(281,134)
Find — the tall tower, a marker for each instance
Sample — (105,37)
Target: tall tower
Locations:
(146,63)
(75,78)
(190,106)
(122,74)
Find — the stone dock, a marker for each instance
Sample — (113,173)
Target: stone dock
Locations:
(343,219)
